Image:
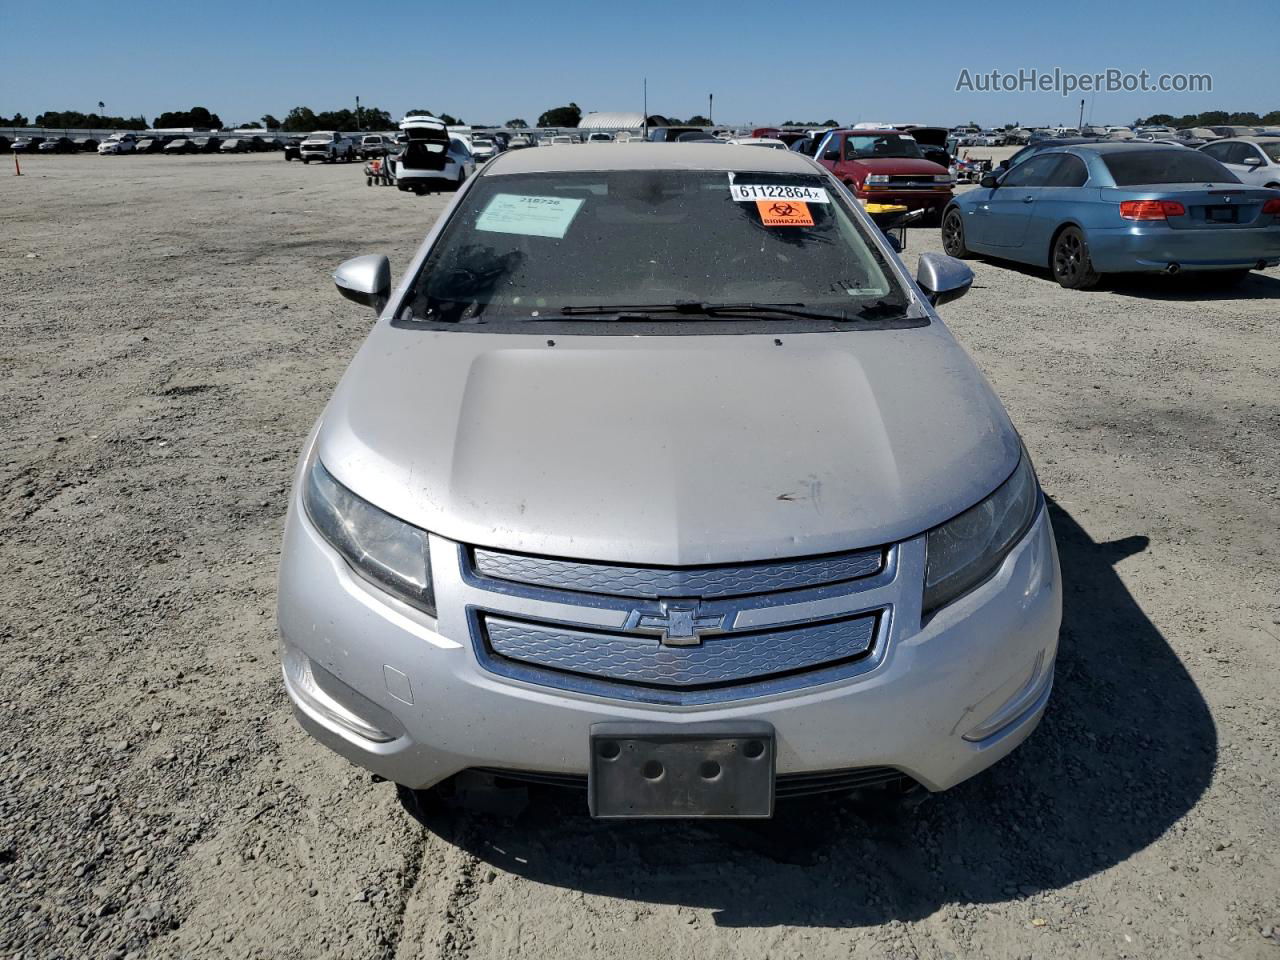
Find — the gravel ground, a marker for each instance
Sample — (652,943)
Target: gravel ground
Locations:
(168,333)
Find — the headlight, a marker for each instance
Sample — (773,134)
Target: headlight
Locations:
(941,178)
(964,551)
(382,549)
(878,178)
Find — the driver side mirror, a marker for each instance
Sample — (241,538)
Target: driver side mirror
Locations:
(1252,161)
(833,155)
(365,280)
(943,278)
(990,181)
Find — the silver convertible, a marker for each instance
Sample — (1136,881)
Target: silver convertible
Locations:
(1094,209)
(658,475)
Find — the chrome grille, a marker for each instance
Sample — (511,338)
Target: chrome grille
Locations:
(682,636)
(718,659)
(624,580)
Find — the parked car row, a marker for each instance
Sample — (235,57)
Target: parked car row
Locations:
(37,144)
(171,143)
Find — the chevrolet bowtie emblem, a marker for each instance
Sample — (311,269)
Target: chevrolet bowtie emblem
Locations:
(681,625)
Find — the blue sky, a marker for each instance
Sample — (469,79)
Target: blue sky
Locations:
(494,60)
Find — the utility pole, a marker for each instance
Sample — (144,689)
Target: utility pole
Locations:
(711,97)
(1080,125)
(645,121)
(359,125)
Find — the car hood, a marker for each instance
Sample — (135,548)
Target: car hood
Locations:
(668,450)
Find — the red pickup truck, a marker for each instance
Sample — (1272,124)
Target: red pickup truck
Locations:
(886,166)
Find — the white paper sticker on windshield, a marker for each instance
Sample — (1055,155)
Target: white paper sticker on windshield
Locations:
(529,216)
(743,192)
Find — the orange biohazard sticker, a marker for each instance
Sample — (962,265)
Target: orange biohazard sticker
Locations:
(784,213)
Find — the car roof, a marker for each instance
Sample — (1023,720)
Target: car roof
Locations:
(651,156)
(1275,139)
(1125,146)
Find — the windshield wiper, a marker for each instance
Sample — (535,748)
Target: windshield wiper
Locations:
(644,311)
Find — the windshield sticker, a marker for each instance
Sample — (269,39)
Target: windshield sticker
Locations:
(745,192)
(784,213)
(529,216)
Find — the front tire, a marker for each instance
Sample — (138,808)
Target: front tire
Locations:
(1070,261)
(953,235)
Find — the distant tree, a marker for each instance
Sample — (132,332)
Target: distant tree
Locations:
(344,119)
(74,118)
(197,117)
(299,120)
(516,124)
(450,120)
(569,116)
(829,123)
(270,122)
(304,120)
(102,107)
(1246,118)
(1271,119)
(250,126)
(17,120)
(698,120)
(419,112)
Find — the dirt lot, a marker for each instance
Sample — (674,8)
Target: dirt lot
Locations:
(168,333)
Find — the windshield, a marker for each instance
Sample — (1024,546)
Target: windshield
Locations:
(1272,150)
(529,247)
(1173,165)
(880,145)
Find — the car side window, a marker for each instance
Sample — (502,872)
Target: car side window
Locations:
(1246,152)
(1217,150)
(1233,153)
(1070,172)
(1031,173)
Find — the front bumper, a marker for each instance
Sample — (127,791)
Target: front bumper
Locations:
(1153,248)
(913,199)
(405,695)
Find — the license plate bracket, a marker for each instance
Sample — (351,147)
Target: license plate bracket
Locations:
(654,770)
(1220,214)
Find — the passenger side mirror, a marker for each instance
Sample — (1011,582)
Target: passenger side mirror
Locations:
(831,155)
(366,280)
(989,181)
(943,278)
(1252,161)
